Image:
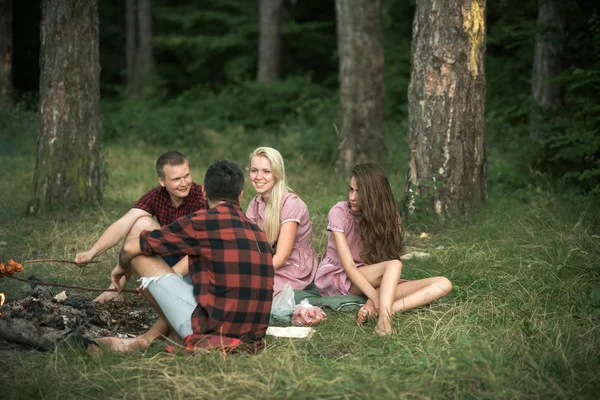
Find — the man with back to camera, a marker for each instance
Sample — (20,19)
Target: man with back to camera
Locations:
(230,265)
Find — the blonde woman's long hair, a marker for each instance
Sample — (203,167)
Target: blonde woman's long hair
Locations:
(273,207)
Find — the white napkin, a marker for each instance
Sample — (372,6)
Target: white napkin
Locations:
(298,332)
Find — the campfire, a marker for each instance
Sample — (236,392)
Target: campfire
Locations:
(44,318)
(2,300)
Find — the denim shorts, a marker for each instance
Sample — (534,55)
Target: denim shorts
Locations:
(175,297)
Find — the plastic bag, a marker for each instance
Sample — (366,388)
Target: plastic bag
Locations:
(306,314)
(283,304)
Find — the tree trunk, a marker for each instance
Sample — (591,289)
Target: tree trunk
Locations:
(446,100)
(6,51)
(144,62)
(269,47)
(68,155)
(138,45)
(361,82)
(130,40)
(547,93)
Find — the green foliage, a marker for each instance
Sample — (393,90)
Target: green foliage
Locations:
(566,149)
(294,113)
(215,43)
(570,146)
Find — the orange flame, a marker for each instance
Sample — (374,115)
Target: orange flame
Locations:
(2,299)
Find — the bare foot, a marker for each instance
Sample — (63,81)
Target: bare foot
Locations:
(366,312)
(384,326)
(123,345)
(109,296)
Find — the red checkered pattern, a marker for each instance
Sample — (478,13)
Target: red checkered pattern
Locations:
(231,266)
(158,203)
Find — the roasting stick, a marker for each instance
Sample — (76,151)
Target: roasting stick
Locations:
(49,260)
(92,289)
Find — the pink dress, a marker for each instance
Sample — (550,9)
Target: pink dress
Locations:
(300,268)
(331,278)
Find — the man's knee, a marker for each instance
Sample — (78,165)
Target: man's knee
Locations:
(143,223)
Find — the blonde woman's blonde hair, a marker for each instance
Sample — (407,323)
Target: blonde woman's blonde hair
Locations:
(273,207)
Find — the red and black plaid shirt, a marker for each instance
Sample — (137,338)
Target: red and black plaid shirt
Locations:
(231,266)
(158,203)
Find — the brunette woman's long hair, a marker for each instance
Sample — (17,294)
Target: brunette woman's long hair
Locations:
(379,222)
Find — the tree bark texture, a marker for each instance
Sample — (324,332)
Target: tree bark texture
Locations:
(361,82)
(269,46)
(548,53)
(547,61)
(68,153)
(6,52)
(138,44)
(130,40)
(446,96)
(144,62)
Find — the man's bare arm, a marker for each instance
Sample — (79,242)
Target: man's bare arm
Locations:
(112,235)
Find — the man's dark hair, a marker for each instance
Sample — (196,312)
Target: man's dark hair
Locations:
(172,158)
(224,181)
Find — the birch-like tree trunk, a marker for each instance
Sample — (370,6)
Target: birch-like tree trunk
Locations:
(68,154)
(446,97)
(361,82)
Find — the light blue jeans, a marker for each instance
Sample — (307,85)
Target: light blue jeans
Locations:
(175,297)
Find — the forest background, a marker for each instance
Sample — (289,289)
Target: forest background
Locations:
(522,320)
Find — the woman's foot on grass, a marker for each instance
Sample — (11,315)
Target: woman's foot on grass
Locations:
(384,326)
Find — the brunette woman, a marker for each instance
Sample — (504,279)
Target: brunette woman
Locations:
(364,249)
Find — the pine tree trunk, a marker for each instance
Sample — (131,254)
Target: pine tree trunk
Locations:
(361,82)
(6,52)
(68,155)
(547,65)
(446,96)
(130,41)
(269,47)
(144,61)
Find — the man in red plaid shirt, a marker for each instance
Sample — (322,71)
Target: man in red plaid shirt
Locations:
(230,263)
(176,197)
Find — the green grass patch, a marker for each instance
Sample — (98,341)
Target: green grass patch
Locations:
(523,319)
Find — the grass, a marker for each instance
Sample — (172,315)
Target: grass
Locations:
(523,320)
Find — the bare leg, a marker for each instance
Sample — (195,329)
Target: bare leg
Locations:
(383,276)
(143,266)
(417,293)
(387,294)
(144,223)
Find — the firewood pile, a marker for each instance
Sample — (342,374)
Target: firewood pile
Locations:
(45,318)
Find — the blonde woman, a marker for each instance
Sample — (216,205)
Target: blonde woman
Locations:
(284,218)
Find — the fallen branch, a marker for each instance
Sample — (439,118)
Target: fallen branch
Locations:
(92,289)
